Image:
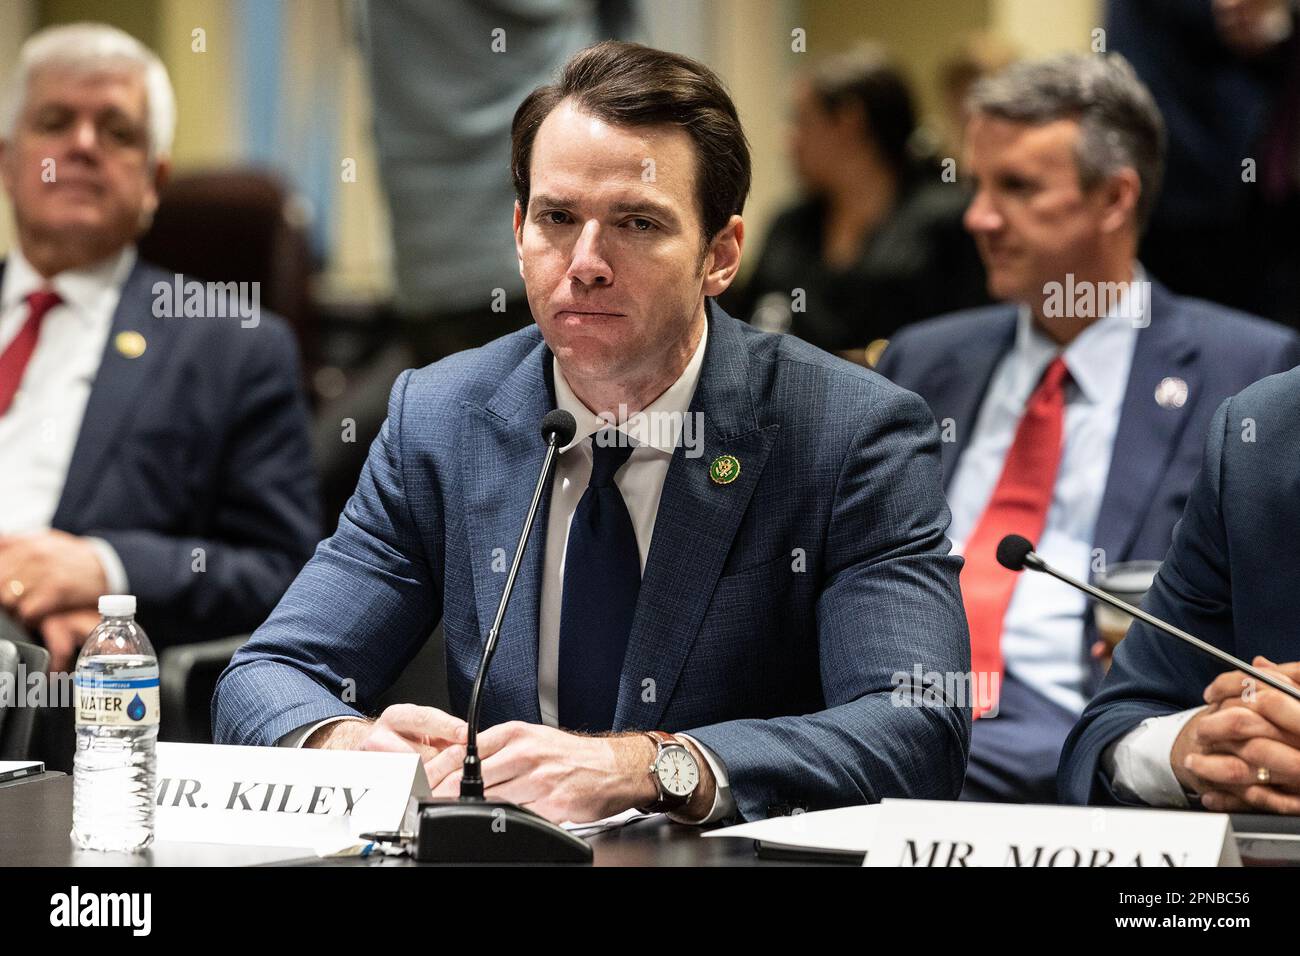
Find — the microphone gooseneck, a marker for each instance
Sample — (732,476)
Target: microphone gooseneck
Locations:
(558,429)
(1019,554)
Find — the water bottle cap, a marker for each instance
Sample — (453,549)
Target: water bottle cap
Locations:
(117,605)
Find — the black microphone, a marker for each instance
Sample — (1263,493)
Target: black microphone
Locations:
(472,829)
(558,428)
(1016,553)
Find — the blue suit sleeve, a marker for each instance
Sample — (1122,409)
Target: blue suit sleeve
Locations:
(1152,673)
(265,518)
(889,607)
(355,616)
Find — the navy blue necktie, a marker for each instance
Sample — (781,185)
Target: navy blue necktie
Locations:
(602,577)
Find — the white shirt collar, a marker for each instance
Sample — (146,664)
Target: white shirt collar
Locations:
(1091,357)
(86,290)
(658,425)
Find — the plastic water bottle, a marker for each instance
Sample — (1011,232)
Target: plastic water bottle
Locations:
(114,769)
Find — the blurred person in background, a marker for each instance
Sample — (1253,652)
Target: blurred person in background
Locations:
(141,451)
(877,242)
(1226,76)
(1074,413)
(980,55)
(445,80)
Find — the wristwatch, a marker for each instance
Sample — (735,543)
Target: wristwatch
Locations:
(674,772)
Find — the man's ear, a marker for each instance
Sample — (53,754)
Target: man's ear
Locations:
(5,153)
(1119,194)
(519,236)
(162,171)
(722,261)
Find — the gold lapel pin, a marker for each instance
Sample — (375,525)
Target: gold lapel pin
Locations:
(724,470)
(130,344)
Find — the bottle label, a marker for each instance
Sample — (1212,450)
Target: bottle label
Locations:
(117,702)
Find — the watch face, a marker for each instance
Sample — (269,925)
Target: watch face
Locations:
(677,771)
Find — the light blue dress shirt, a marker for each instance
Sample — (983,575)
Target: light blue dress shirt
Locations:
(1042,637)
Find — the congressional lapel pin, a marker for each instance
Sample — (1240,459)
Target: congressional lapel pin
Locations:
(130,344)
(1171,393)
(724,470)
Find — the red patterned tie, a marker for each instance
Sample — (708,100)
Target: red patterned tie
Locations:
(1018,506)
(14,360)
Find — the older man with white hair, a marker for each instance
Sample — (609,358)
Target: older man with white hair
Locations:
(143,452)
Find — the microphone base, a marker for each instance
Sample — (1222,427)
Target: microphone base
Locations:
(491,831)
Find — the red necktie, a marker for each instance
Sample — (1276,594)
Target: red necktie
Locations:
(1018,506)
(14,360)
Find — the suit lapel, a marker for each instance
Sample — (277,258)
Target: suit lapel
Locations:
(694,528)
(503,454)
(1148,431)
(120,387)
(966,380)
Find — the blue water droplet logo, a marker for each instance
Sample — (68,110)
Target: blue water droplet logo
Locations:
(135,710)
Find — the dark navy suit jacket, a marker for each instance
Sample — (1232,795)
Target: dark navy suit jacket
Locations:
(777,617)
(1231,578)
(201,442)
(950,361)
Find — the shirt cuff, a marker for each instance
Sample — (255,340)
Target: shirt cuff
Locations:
(115,578)
(296,738)
(723,804)
(1138,763)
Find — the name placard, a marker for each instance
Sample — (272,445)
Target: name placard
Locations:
(278,796)
(936,833)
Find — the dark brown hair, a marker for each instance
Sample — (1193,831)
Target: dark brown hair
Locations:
(865,77)
(628,84)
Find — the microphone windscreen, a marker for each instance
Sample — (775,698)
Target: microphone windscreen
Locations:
(1012,551)
(560,424)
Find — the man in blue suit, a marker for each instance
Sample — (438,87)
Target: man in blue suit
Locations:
(1073,413)
(1169,726)
(741,562)
(143,448)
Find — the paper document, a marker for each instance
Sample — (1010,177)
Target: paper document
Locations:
(844,829)
(609,823)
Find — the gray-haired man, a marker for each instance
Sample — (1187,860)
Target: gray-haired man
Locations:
(159,454)
(1074,412)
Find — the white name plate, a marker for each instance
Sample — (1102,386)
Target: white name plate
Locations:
(951,833)
(283,797)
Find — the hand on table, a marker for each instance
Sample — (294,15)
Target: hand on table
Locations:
(560,775)
(565,776)
(1241,753)
(402,728)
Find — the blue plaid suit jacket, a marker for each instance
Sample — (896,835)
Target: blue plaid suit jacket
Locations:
(778,615)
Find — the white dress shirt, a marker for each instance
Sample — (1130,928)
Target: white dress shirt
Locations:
(655,432)
(1043,628)
(1042,637)
(39,431)
(1138,763)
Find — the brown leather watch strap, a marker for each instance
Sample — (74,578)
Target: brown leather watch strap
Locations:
(667,800)
(660,737)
